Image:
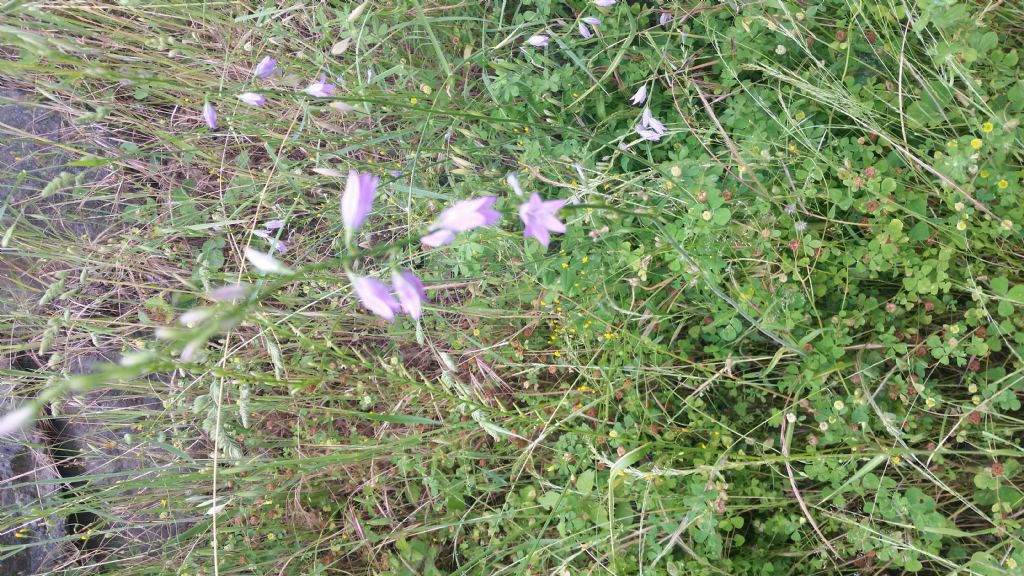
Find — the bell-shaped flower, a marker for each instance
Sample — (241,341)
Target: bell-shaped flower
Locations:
(375,296)
(265,262)
(252,98)
(210,115)
(640,96)
(650,128)
(513,181)
(356,202)
(460,217)
(537,40)
(539,218)
(584,31)
(438,238)
(266,67)
(468,214)
(321,89)
(409,289)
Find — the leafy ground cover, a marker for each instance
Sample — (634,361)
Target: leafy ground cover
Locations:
(781,333)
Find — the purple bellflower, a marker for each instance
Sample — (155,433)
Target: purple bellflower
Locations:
(539,218)
(266,67)
(321,89)
(252,98)
(409,290)
(356,202)
(375,296)
(210,115)
(650,128)
(640,97)
(460,217)
(537,40)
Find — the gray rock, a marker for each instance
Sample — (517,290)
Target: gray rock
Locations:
(31,158)
(29,493)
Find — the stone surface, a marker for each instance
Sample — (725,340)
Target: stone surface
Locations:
(29,490)
(31,156)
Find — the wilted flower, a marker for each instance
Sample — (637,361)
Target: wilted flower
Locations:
(356,202)
(321,89)
(584,31)
(252,98)
(640,97)
(266,67)
(800,226)
(665,18)
(409,290)
(604,3)
(539,218)
(210,116)
(537,40)
(460,217)
(789,209)
(375,296)
(514,183)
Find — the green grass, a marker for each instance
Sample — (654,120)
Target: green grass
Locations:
(785,339)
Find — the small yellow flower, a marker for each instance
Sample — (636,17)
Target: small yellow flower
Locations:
(896,459)
(958,206)
(476,331)
(799,116)
(608,335)
(676,171)
(413,100)
(565,265)
(976,399)
(839,405)
(558,354)
(961,225)
(986,127)
(976,143)
(526,129)
(1003,184)
(742,169)
(706,215)
(983,174)
(426,89)
(1007,224)
(1011,563)
(954,329)
(930,402)
(613,434)
(585,260)
(973,389)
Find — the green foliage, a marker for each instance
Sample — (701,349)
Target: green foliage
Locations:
(813,280)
